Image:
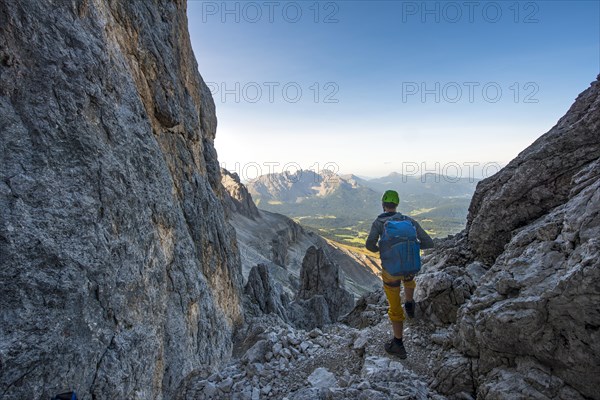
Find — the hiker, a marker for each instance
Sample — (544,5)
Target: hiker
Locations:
(398,239)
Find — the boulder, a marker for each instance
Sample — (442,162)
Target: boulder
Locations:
(368,310)
(264,293)
(321,277)
(311,313)
(322,378)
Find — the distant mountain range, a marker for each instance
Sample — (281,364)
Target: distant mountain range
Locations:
(342,207)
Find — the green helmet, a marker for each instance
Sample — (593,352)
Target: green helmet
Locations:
(390,196)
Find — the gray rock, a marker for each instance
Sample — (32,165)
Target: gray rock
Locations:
(266,390)
(225,385)
(319,276)
(282,241)
(286,353)
(528,379)
(256,353)
(397,366)
(322,378)
(440,292)
(374,365)
(315,333)
(306,314)
(294,341)
(277,347)
(454,377)
(393,380)
(237,199)
(321,298)
(246,393)
(265,373)
(442,338)
(361,342)
(370,394)
(344,381)
(304,346)
(537,299)
(119,273)
(307,394)
(364,385)
(368,310)
(475,271)
(210,390)
(264,293)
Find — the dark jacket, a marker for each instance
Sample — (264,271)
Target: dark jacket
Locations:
(377,231)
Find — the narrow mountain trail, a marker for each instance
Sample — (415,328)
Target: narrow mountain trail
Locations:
(338,362)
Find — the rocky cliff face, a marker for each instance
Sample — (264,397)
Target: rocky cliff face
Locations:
(520,286)
(542,177)
(119,274)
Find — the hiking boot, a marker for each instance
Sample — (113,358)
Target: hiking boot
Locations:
(409,306)
(396,348)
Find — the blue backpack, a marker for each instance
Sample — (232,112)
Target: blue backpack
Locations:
(399,247)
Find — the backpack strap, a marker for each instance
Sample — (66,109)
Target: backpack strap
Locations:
(396,217)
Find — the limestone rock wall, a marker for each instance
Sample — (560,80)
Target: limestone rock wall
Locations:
(539,179)
(539,303)
(519,287)
(118,271)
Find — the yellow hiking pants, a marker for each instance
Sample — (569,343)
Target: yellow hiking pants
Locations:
(391,287)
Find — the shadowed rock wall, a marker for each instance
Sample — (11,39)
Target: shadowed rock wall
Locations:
(521,284)
(118,272)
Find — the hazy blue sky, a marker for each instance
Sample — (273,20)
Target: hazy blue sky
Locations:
(390,85)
